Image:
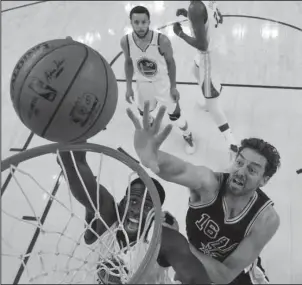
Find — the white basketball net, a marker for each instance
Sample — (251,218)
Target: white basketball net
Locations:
(67,259)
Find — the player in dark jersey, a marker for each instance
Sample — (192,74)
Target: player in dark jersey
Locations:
(230,220)
(174,249)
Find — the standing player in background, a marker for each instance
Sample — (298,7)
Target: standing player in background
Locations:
(203,16)
(149,55)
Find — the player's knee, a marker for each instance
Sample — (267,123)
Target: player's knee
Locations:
(213,105)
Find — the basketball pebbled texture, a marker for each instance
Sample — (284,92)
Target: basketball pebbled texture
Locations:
(64,91)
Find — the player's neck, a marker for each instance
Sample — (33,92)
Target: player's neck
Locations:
(238,202)
(235,205)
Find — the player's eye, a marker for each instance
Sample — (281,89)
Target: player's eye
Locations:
(252,170)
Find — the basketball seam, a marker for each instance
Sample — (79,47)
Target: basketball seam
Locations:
(64,96)
(21,89)
(104,104)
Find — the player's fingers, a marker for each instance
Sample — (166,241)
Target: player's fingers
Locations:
(164,134)
(158,119)
(146,123)
(134,119)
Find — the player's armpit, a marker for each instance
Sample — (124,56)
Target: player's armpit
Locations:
(250,248)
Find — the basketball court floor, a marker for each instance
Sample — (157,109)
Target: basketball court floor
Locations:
(259,58)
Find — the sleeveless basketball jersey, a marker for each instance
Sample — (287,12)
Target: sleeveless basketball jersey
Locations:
(212,233)
(149,64)
(212,20)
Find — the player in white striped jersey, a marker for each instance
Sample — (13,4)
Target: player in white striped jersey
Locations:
(203,17)
(149,56)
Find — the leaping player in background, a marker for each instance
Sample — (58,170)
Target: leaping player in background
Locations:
(203,16)
(149,55)
(174,249)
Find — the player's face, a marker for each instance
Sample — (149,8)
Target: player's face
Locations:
(247,173)
(140,24)
(133,216)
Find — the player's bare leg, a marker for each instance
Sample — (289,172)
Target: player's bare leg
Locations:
(177,118)
(201,100)
(212,105)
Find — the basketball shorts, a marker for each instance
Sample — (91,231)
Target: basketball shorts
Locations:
(211,86)
(156,92)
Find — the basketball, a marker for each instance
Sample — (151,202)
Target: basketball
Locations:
(63,90)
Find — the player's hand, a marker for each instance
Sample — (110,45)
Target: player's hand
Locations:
(219,18)
(182,12)
(129,95)
(177,29)
(148,139)
(175,94)
(169,221)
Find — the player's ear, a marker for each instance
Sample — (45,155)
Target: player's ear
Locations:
(264,181)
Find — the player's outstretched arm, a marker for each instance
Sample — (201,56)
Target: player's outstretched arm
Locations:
(80,167)
(247,251)
(147,141)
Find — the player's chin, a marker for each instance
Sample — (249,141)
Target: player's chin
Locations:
(131,225)
(236,188)
(141,33)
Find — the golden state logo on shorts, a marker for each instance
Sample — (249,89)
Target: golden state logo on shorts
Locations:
(147,67)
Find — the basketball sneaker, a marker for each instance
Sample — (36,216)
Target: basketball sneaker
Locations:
(190,145)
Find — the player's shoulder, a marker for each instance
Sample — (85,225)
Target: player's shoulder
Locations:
(124,41)
(197,10)
(211,181)
(268,221)
(163,40)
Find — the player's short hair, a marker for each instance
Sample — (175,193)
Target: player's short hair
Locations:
(159,187)
(265,149)
(139,10)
